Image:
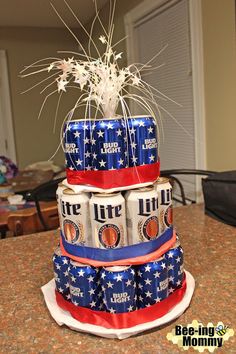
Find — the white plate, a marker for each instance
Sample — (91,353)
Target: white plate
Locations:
(64,317)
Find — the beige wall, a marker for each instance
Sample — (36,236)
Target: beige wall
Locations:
(220,82)
(34,138)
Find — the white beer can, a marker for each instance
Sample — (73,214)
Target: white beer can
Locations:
(142,215)
(75,217)
(59,192)
(108,220)
(164,190)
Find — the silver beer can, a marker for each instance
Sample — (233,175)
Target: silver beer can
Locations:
(75,217)
(142,215)
(108,220)
(164,190)
(59,192)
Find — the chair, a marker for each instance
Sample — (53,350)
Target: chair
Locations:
(44,192)
(173,179)
(27,221)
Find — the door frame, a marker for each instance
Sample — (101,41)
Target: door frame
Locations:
(5,108)
(196,35)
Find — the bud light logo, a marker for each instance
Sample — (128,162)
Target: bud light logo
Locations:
(109,236)
(151,228)
(71,231)
(168,217)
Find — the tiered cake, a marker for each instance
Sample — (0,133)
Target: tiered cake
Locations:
(120,263)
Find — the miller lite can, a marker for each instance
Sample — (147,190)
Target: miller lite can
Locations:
(59,192)
(61,275)
(152,282)
(142,215)
(108,219)
(119,289)
(84,286)
(174,257)
(75,215)
(164,191)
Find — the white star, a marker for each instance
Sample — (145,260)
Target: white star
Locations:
(178,259)
(60,290)
(134,159)
(152,158)
(119,132)
(129,282)
(102,163)
(112,310)
(148,294)
(73,279)
(68,127)
(109,126)
(75,302)
(95,156)
(65,261)
(58,266)
(132,131)
(91,292)
(139,273)
(147,268)
(141,124)
(119,277)
(178,282)
(71,168)
(103,275)
(68,296)
(90,278)
(87,154)
(79,162)
(148,305)
(171,279)
(132,272)
(88,168)
(140,298)
(92,304)
(133,145)
(77,134)
(85,126)
(171,290)
(61,85)
(170,254)
(110,285)
(150,130)
(86,140)
(121,162)
(158,299)
(140,286)
(170,267)
(67,285)
(130,308)
(148,281)
(100,134)
(157,275)
(93,141)
(163,265)
(100,294)
(81,273)
(66,273)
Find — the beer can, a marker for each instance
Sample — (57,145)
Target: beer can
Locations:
(59,193)
(75,216)
(108,220)
(84,286)
(142,215)
(118,289)
(77,144)
(152,282)
(142,141)
(109,145)
(164,191)
(174,257)
(61,275)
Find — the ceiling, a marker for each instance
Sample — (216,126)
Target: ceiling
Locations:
(39,13)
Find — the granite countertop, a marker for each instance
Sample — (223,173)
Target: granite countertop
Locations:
(25,265)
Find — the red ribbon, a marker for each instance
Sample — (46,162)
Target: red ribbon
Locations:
(122,320)
(128,261)
(115,178)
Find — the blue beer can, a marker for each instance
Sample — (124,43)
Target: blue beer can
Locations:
(174,258)
(61,265)
(109,145)
(119,289)
(84,286)
(142,141)
(152,282)
(77,144)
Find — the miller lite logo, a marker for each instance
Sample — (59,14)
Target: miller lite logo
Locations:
(109,236)
(168,216)
(102,213)
(166,196)
(71,231)
(70,209)
(147,206)
(151,228)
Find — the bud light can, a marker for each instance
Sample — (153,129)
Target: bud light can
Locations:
(164,191)
(59,193)
(152,282)
(77,145)
(84,286)
(75,215)
(175,261)
(119,289)
(142,215)
(61,275)
(109,145)
(108,219)
(142,141)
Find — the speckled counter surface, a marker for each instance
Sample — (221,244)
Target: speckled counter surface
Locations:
(25,265)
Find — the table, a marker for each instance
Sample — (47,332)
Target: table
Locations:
(27,327)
